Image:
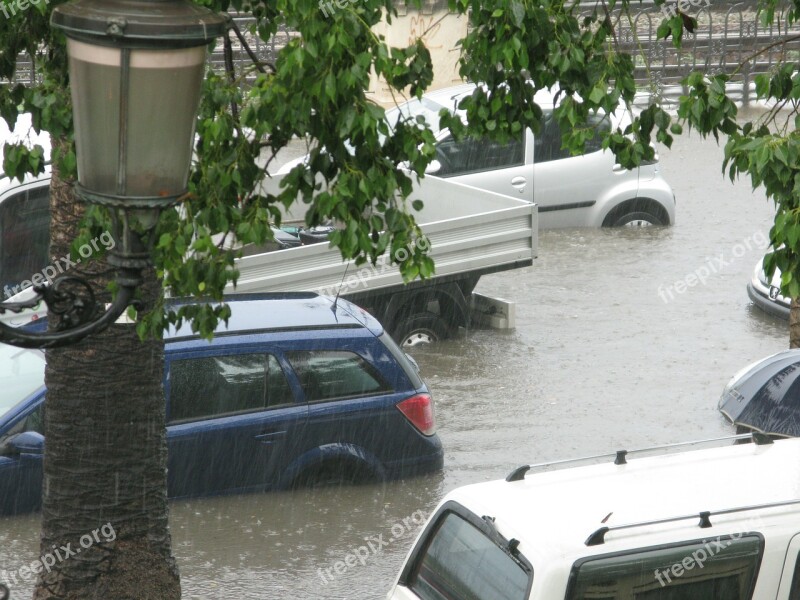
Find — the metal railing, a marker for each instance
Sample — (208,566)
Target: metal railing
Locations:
(265,52)
(727,39)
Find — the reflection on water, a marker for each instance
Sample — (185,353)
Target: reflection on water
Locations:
(598,361)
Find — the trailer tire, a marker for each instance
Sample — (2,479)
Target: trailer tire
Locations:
(421,328)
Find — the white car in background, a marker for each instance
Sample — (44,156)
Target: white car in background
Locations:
(24,222)
(766,293)
(590,190)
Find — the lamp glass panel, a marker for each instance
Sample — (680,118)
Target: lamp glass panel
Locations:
(163,97)
(95,82)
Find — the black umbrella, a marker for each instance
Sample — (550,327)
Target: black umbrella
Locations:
(773,406)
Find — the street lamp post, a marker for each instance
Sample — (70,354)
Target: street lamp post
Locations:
(136,72)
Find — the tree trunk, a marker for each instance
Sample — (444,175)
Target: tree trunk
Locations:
(104,496)
(794,324)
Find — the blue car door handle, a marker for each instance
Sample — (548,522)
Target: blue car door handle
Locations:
(270,437)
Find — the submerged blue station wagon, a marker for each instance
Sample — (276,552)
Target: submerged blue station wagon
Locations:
(297,389)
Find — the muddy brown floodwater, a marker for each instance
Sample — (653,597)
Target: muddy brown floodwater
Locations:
(608,353)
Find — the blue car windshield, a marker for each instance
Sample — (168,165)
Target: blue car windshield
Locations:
(21,374)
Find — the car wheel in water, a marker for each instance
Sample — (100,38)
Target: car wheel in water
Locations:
(637,219)
(421,328)
(334,474)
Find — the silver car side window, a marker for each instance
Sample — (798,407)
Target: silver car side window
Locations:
(473,155)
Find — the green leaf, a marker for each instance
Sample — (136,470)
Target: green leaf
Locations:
(598,93)
(518,14)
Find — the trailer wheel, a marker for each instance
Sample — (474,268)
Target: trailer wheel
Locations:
(421,328)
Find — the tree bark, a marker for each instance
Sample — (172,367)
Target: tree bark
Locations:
(794,324)
(105,457)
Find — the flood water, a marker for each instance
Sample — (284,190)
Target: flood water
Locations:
(606,354)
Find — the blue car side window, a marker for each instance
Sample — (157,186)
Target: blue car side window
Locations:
(33,422)
(215,386)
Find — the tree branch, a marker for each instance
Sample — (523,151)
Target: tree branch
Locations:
(253,57)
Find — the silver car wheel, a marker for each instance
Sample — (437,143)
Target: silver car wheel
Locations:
(636,219)
(638,223)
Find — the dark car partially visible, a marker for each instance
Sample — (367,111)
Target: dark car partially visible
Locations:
(765,396)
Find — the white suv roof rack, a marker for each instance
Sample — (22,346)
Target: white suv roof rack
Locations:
(598,536)
(620,456)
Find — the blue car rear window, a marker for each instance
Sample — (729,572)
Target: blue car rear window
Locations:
(330,374)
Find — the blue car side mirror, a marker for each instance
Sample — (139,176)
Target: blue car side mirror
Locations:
(27,442)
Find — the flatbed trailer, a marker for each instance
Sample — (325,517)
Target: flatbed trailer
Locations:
(470,232)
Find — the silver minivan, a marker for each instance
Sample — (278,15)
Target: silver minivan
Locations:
(590,190)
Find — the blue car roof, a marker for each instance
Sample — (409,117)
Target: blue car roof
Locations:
(255,313)
(282,311)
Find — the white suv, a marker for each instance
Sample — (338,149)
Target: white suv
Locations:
(714,524)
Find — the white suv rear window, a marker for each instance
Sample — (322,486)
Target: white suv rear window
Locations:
(460,561)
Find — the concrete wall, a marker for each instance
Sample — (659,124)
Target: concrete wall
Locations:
(439,29)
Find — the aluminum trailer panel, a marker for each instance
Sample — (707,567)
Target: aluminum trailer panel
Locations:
(469,230)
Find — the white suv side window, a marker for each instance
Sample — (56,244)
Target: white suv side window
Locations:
(711,569)
(24,237)
(461,561)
